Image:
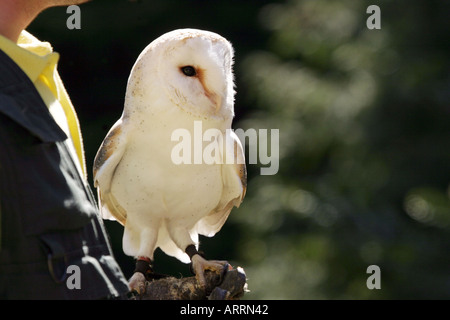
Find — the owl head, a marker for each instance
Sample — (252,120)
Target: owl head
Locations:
(188,68)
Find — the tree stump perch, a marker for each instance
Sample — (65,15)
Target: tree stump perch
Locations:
(231,284)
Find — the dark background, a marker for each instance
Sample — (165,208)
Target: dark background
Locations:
(364,119)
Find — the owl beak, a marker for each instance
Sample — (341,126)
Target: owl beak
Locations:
(217,102)
(215,99)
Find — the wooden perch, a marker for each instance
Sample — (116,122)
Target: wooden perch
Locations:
(229,285)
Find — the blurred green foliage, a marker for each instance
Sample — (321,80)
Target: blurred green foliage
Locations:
(364,119)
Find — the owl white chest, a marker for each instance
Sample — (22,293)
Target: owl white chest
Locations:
(147,180)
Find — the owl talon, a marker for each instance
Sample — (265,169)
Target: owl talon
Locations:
(200,265)
(137,283)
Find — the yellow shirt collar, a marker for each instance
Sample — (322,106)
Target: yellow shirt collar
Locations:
(30,54)
(38,61)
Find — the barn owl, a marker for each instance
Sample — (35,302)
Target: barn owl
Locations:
(182,79)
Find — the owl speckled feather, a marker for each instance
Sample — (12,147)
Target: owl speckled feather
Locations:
(181,78)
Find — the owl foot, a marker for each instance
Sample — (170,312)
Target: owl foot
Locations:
(143,273)
(137,283)
(200,265)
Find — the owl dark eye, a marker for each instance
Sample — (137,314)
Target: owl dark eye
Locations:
(188,71)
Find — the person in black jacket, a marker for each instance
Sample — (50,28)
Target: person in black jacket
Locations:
(53,241)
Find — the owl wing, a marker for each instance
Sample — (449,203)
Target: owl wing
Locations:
(234,178)
(106,161)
